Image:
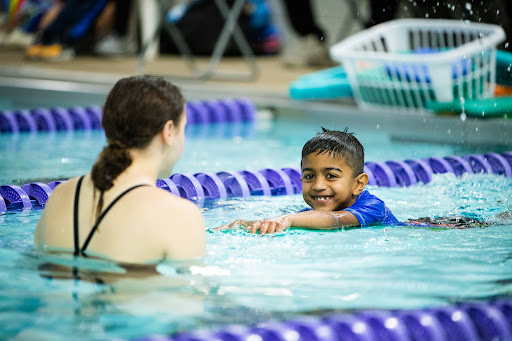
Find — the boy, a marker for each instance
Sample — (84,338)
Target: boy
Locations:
(333,184)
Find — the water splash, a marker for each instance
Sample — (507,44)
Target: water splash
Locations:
(463,115)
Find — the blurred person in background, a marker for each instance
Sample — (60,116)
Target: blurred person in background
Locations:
(23,19)
(112,28)
(58,40)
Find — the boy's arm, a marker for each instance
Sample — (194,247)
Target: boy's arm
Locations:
(236,224)
(315,220)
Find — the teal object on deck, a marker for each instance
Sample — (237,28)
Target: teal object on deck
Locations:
(326,84)
(503,67)
(482,108)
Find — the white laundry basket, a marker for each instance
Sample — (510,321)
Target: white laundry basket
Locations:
(407,64)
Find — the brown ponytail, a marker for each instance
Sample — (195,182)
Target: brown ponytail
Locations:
(135,111)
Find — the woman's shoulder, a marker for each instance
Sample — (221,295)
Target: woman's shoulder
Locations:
(171,217)
(162,204)
(163,198)
(64,191)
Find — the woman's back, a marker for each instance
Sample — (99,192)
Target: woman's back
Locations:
(146,225)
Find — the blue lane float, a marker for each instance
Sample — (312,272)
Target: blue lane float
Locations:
(15,197)
(279,181)
(8,123)
(465,321)
(230,110)
(257,183)
(37,191)
(282,181)
(235,184)
(213,187)
(26,122)
(168,185)
(3,205)
(44,119)
(189,187)
(62,118)
(95,112)
(82,120)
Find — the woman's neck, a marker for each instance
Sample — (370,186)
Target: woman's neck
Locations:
(143,169)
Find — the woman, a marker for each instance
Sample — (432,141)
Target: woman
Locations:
(116,212)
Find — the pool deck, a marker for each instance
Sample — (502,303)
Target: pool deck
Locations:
(88,79)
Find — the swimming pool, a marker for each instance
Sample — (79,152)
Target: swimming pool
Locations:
(245,279)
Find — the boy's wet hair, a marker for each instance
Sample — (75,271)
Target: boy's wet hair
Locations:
(340,144)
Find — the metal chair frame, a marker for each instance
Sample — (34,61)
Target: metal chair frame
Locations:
(230,28)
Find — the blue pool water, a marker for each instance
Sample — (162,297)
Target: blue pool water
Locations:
(246,278)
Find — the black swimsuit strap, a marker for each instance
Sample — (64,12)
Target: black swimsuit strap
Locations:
(102,215)
(75,215)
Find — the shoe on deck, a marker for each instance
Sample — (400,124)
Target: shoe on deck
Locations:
(307,51)
(32,52)
(56,52)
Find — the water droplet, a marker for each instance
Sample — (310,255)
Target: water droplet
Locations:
(453,8)
(468,6)
(449,131)
(426,15)
(476,129)
(497,12)
(483,113)
(506,44)
(463,113)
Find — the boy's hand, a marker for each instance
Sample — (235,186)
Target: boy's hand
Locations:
(265,226)
(235,224)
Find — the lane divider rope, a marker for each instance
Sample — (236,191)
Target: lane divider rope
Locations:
(280,181)
(230,110)
(465,321)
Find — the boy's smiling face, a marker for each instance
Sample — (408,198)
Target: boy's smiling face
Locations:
(328,183)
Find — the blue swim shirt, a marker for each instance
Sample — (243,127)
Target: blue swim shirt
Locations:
(370,210)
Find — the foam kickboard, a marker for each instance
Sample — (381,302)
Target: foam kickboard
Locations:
(490,107)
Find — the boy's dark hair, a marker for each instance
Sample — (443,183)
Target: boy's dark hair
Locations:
(337,143)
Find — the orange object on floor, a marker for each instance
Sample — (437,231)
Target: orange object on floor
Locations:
(51,51)
(502,90)
(33,51)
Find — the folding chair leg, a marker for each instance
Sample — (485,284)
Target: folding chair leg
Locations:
(230,28)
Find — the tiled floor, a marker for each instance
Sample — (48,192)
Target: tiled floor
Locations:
(273,76)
